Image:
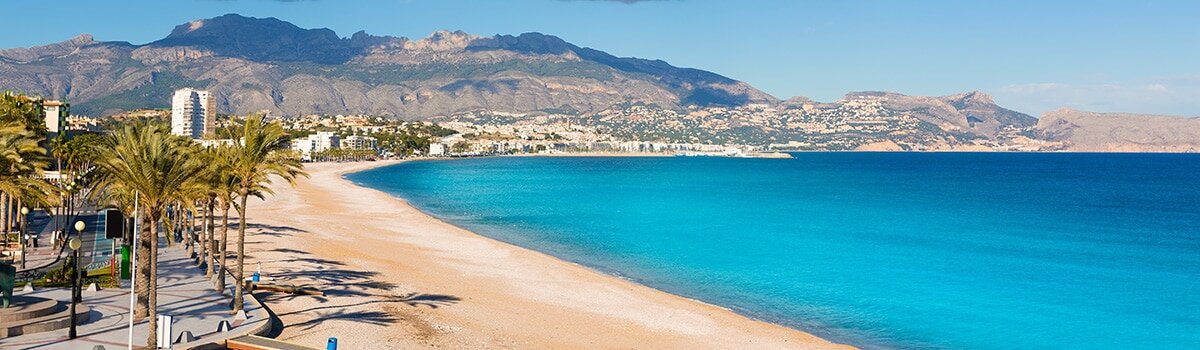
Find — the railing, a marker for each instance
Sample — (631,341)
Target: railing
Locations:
(96,265)
(37,272)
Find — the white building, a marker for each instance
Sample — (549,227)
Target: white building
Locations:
(318,142)
(437,149)
(193,113)
(358,142)
(56,116)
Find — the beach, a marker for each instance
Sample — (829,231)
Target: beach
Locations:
(395,277)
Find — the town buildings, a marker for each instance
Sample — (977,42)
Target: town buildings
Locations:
(358,142)
(315,143)
(437,149)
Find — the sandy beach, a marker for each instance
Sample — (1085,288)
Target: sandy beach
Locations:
(395,277)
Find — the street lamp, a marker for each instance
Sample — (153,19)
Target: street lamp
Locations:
(75,244)
(70,200)
(59,220)
(24,231)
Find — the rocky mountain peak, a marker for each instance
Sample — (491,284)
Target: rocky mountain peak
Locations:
(362,40)
(532,43)
(973,97)
(81,39)
(443,40)
(259,39)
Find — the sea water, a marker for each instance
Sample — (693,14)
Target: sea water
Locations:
(877,250)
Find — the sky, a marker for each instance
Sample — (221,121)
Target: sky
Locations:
(1032,56)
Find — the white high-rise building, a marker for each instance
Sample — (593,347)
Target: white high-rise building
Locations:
(193,113)
(56,116)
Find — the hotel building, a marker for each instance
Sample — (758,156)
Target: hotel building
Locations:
(358,142)
(193,113)
(318,142)
(437,149)
(55,113)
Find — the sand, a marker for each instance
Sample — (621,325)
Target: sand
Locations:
(395,277)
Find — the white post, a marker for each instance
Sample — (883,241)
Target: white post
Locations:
(133,271)
(164,332)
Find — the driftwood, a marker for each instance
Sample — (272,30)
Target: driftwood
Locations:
(286,289)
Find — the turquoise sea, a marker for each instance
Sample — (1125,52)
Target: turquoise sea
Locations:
(877,250)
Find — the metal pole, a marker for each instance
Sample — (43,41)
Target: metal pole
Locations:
(70,215)
(24,240)
(133,276)
(58,216)
(74,288)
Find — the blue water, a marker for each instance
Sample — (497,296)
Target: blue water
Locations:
(878,250)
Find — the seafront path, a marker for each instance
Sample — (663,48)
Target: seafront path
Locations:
(183,293)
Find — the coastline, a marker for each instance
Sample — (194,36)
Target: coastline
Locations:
(416,281)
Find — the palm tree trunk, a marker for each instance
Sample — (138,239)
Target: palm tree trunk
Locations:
(185,229)
(152,301)
(4,215)
(212,239)
(241,258)
(143,270)
(203,239)
(166,222)
(224,246)
(17,221)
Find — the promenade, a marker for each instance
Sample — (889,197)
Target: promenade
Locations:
(183,292)
(97,250)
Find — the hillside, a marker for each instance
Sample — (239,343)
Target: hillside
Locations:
(257,64)
(1120,132)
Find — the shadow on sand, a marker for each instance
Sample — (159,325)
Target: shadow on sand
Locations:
(344,288)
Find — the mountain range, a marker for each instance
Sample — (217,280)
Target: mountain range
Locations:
(266,64)
(258,64)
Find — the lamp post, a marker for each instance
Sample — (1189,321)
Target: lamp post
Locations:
(70,202)
(59,220)
(75,244)
(23,233)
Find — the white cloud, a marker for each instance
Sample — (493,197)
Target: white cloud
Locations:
(1171,96)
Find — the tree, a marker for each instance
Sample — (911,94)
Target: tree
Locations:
(158,167)
(223,187)
(260,155)
(22,155)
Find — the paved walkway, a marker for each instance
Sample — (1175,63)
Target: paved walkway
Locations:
(183,292)
(96,249)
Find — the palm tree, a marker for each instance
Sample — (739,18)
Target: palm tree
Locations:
(21,120)
(222,188)
(21,163)
(147,160)
(260,155)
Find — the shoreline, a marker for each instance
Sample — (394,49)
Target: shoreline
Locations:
(561,303)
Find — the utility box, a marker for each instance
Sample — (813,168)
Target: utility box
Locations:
(125,263)
(8,278)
